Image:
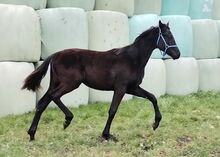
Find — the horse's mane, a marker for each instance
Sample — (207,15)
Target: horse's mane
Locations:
(144,34)
(118,51)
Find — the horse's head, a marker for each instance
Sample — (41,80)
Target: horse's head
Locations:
(166,41)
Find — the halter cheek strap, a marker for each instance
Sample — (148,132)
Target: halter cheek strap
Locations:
(163,53)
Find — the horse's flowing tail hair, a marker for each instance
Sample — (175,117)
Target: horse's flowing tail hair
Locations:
(32,82)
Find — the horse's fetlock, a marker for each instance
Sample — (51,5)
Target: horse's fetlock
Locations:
(158,117)
(69,117)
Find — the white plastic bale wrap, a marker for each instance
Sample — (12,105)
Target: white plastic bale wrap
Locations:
(206,39)
(20,33)
(216,10)
(154,80)
(87,5)
(147,7)
(63,28)
(139,24)
(182,76)
(218,25)
(13,99)
(107,30)
(36,4)
(181,28)
(209,74)
(79,96)
(124,6)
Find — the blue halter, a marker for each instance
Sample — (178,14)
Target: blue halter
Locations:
(163,53)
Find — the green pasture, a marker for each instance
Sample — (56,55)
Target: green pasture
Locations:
(190,127)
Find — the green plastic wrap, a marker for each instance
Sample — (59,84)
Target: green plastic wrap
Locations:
(175,7)
(201,9)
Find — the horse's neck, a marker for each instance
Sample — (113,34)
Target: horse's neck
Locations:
(145,47)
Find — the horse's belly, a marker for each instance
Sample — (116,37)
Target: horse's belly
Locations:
(101,81)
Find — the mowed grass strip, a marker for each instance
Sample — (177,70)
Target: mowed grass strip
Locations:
(190,127)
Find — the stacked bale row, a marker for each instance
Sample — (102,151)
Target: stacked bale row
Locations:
(205,46)
(20,43)
(61,28)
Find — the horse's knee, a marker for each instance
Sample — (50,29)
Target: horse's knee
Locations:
(40,108)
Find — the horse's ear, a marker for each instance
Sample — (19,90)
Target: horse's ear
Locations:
(160,24)
(168,24)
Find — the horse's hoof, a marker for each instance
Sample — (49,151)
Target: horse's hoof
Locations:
(109,137)
(66,124)
(31,135)
(32,138)
(155,125)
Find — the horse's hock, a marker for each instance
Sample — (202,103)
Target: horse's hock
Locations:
(30,32)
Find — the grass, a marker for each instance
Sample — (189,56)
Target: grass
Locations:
(190,127)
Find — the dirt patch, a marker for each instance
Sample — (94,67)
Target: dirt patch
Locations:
(215,153)
(184,140)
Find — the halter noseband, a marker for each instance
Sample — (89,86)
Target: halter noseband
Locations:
(163,53)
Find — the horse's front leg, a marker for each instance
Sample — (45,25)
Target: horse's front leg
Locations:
(145,94)
(117,97)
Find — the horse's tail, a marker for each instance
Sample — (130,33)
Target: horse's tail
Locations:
(32,82)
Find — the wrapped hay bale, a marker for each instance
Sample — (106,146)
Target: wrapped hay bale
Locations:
(139,24)
(154,79)
(20,33)
(107,30)
(36,4)
(201,9)
(182,76)
(63,28)
(218,25)
(147,7)
(124,6)
(175,7)
(205,39)
(87,5)
(13,99)
(216,10)
(209,74)
(79,96)
(181,28)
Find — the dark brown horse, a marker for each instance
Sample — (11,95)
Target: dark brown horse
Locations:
(120,70)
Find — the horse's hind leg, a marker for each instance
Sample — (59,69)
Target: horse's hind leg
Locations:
(56,94)
(41,106)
